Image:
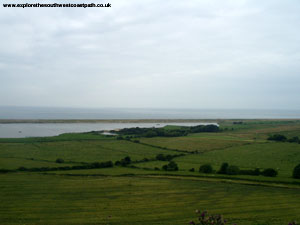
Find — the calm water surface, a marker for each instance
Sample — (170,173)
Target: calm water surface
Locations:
(16,130)
(122,113)
(30,130)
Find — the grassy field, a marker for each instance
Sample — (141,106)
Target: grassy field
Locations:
(74,151)
(200,143)
(141,194)
(49,199)
(281,156)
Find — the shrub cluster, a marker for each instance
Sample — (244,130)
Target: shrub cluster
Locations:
(282,138)
(4,171)
(206,168)
(59,160)
(94,165)
(234,170)
(161,132)
(123,162)
(238,122)
(269,172)
(229,169)
(296,172)
(171,166)
(162,157)
(203,218)
(206,219)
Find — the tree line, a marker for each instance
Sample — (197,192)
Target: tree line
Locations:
(282,138)
(162,132)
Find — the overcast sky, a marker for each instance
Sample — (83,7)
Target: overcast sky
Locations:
(152,53)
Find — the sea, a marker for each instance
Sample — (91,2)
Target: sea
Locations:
(13,130)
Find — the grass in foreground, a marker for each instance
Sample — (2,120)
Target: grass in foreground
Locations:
(51,199)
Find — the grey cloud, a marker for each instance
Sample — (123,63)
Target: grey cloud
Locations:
(192,54)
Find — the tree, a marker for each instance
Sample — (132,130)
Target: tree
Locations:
(270,172)
(223,168)
(277,137)
(296,172)
(206,168)
(256,172)
(125,161)
(294,140)
(233,170)
(172,166)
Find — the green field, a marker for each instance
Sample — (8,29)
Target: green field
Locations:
(201,143)
(140,194)
(48,199)
(77,151)
(281,156)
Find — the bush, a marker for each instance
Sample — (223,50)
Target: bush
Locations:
(294,140)
(59,160)
(172,166)
(192,170)
(257,172)
(223,168)
(165,167)
(269,172)
(206,168)
(233,170)
(127,159)
(277,137)
(123,162)
(106,164)
(296,172)
(205,219)
(161,132)
(163,157)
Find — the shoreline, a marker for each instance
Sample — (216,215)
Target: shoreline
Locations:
(9,121)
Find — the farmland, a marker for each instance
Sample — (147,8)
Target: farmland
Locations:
(141,192)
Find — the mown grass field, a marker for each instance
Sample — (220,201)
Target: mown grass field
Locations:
(74,151)
(139,194)
(281,156)
(50,199)
(201,143)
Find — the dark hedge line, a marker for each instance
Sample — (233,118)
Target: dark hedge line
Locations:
(94,165)
(161,132)
(282,138)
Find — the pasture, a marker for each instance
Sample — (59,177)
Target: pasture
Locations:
(52,199)
(141,192)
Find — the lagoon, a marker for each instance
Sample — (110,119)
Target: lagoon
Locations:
(19,130)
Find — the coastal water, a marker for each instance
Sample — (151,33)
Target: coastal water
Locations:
(123,113)
(17,130)
(51,129)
